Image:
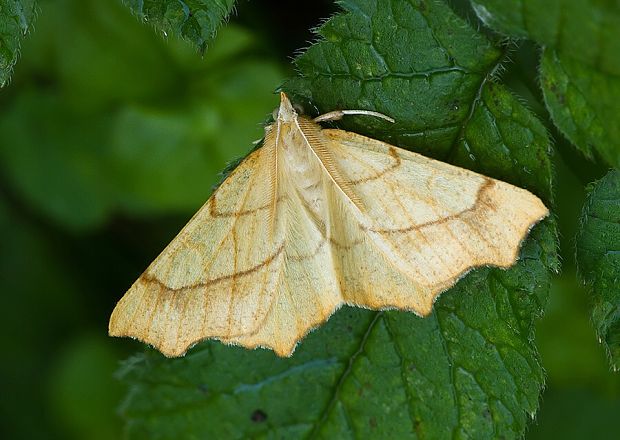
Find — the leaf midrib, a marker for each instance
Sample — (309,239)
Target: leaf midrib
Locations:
(334,398)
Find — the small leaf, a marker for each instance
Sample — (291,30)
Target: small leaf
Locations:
(598,259)
(505,140)
(584,104)
(193,20)
(471,369)
(16,17)
(586,30)
(408,61)
(580,66)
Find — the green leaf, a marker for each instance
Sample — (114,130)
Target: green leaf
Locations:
(586,30)
(584,104)
(580,67)
(598,259)
(193,20)
(16,17)
(427,71)
(470,369)
(124,121)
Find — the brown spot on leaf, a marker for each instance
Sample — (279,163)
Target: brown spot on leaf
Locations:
(258,416)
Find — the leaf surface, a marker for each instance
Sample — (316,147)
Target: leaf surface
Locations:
(16,17)
(193,20)
(470,369)
(582,29)
(598,259)
(579,68)
(584,103)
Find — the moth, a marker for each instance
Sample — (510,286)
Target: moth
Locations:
(314,219)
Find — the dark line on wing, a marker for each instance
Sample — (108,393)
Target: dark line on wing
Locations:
(233,284)
(149,325)
(152,279)
(215,214)
(483,188)
(392,151)
(182,313)
(312,254)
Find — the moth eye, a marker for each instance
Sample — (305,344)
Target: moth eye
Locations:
(299,109)
(274,114)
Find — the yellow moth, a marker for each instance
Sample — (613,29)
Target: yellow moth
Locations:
(314,219)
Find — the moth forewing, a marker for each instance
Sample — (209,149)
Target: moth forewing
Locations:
(314,219)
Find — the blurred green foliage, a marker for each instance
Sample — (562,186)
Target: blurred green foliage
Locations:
(144,127)
(112,136)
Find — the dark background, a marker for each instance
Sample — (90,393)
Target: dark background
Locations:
(112,136)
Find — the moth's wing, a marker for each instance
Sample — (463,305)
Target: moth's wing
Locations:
(424,222)
(309,288)
(218,278)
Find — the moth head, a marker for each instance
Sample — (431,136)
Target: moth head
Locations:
(286,112)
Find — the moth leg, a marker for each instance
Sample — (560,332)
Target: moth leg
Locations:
(338,114)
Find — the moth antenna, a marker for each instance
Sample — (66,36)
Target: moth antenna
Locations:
(338,114)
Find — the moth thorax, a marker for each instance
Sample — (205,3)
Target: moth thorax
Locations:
(304,169)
